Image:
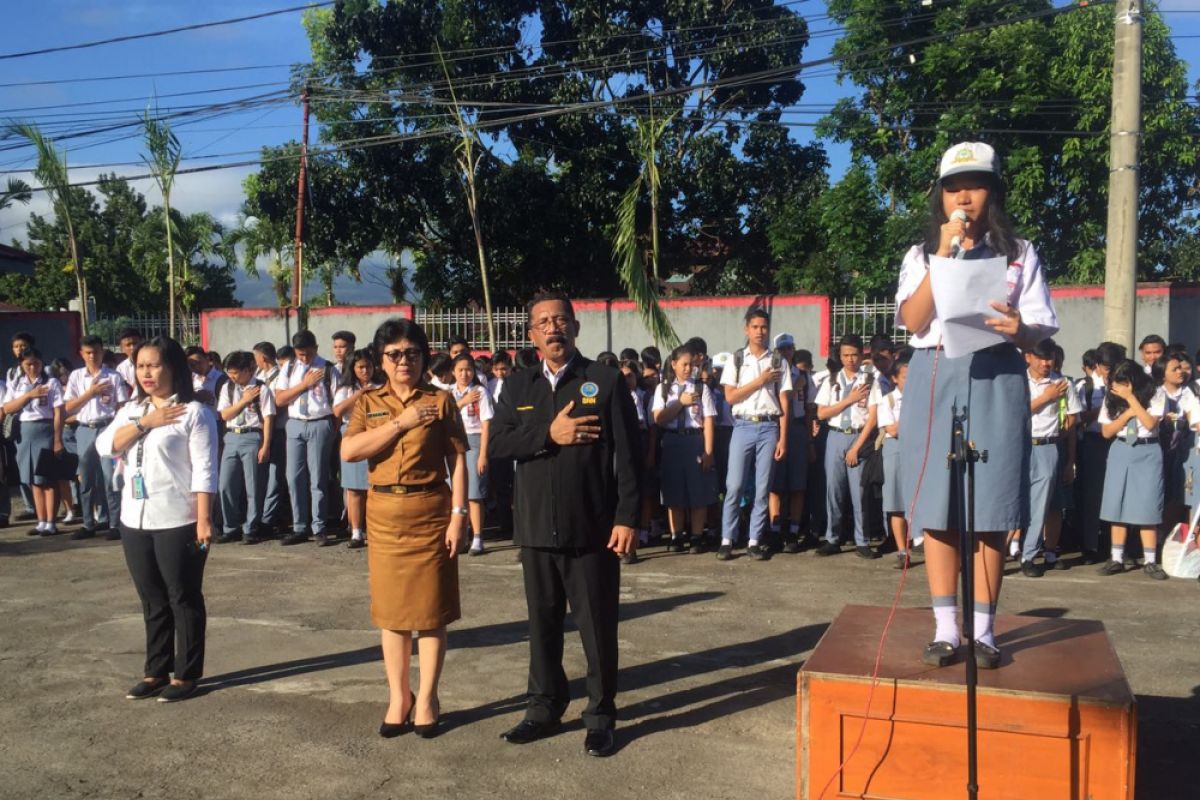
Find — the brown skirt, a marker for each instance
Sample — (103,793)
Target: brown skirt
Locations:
(413,580)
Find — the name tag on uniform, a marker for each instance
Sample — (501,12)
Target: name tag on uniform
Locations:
(589,391)
(377,414)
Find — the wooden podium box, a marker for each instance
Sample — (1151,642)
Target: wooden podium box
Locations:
(1057,720)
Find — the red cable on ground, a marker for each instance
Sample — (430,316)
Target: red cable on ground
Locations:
(900,588)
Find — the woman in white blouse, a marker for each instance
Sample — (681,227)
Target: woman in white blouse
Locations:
(168,442)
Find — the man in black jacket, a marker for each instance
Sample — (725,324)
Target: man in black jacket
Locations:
(571,426)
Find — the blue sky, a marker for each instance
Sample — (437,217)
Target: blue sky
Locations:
(278,40)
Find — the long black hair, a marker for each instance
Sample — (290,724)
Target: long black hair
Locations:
(175,361)
(1003,239)
(1143,387)
(368,355)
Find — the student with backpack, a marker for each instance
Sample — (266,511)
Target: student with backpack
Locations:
(247,407)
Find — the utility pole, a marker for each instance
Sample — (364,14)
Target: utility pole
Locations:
(1120,257)
(298,272)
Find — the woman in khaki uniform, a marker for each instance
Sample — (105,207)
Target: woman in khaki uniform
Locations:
(407,431)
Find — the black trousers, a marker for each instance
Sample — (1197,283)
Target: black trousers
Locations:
(167,567)
(591,581)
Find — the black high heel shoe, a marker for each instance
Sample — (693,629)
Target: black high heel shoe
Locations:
(390,730)
(430,730)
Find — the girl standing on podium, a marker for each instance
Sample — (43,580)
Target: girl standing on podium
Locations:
(990,385)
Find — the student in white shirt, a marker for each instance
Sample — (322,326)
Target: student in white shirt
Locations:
(362,375)
(476,409)
(128,340)
(759,389)
(1152,348)
(306,387)
(887,417)
(21,341)
(1133,480)
(842,404)
(94,394)
(1093,449)
(206,377)
(1173,371)
(247,406)
(968,221)
(275,495)
(169,443)
(685,414)
(1053,408)
(37,401)
(790,481)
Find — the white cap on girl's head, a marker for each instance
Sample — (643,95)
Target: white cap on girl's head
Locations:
(968,157)
(784,340)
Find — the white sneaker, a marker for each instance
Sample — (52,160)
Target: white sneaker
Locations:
(71,519)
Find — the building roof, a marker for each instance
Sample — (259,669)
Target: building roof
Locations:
(16,261)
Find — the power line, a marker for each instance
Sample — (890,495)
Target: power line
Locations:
(152,34)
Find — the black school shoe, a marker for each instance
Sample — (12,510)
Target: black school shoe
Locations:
(1155,571)
(82,533)
(938,654)
(112,534)
(229,538)
(145,689)
(829,549)
(1112,568)
(986,656)
(294,538)
(866,551)
(600,742)
(177,692)
(1032,570)
(758,552)
(724,552)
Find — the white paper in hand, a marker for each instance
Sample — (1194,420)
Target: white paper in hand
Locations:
(963,291)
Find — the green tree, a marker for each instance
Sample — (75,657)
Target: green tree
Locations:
(1041,90)
(15,191)
(163,154)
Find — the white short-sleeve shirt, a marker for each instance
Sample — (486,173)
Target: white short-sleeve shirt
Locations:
(763,401)
(834,390)
(177,461)
(1027,290)
(888,412)
(126,371)
(474,414)
(252,416)
(103,407)
(1048,421)
(1156,409)
(40,408)
(317,401)
(691,417)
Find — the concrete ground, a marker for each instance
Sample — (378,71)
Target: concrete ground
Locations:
(295,688)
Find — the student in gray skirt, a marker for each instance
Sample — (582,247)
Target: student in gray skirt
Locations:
(989,384)
(361,376)
(888,419)
(1133,478)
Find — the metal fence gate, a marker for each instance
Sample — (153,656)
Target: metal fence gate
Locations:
(441,324)
(866,317)
(109,328)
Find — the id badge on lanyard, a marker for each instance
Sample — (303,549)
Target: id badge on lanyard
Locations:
(138,482)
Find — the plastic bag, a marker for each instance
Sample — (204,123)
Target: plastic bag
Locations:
(1181,552)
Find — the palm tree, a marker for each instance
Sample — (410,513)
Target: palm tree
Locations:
(197,236)
(164,155)
(17,191)
(631,266)
(260,238)
(52,172)
(468,167)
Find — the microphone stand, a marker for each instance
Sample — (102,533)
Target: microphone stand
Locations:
(961,461)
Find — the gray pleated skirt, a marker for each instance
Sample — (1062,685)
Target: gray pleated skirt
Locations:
(684,484)
(33,438)
(1133,484)
(992,385)
(477,486)
(354,473)
(893,492)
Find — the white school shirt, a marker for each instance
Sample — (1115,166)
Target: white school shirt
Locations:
(888,412)
(38,408)
(317,401)
(270,378)
(177,460)
(1092,403)
(474,414)
(638,394)
(1046,423)
(765,399)
(103,407)
(127,372)
(1189,407)
(1027,290)
(804,393)
(834,390)
(691,417)
(495,386)
(1156,409)
(208,382)
(252,415)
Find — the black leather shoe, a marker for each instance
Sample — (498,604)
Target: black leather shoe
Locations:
(251,540)
(82,533)
(1155,571)
(1031,570)
(1112,568)
(177,691)
(294,538)
(600,742)
(986,656)
(145,689)
(867,552)
(829,549)
(228,538)
(791,544)
(757,552)
(355,544)
(725,552)
(528,730)
(323,539)
(113,534)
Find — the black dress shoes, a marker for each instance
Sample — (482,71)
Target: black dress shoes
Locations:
(294,539)
(528,730)
(600,742)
